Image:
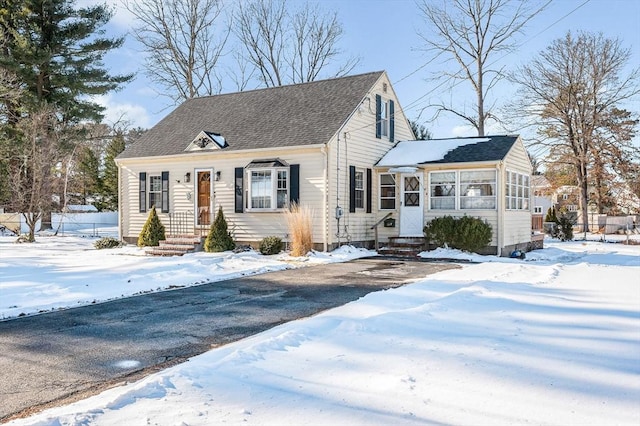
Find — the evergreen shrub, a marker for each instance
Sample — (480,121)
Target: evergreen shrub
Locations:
(107,243)
(219,239)
(271,245)
(152,231)
(465,233)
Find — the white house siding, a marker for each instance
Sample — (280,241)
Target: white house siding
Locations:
(246,227)
(517,223)
(358,146)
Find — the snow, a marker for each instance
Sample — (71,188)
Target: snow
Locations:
(407,153)
(552,339)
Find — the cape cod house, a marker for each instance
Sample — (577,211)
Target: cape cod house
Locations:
(328,144)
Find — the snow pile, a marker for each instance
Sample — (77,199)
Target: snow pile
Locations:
(553,340)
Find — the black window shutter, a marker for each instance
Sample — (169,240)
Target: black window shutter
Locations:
(165,192)
(294,184)
(391,124)
(352,189)
(378,124)
(369,183)
(142,198)
(239,190)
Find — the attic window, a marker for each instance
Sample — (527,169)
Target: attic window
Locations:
(207,140)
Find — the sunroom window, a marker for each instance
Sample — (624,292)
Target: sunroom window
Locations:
(387,192)
(443,190)
(478,189)
(517,191)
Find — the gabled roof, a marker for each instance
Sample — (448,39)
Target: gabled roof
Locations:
(295,115)
(457,150)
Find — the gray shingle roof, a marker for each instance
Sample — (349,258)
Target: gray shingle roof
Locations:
(456,150)
(495,149)
(295,115)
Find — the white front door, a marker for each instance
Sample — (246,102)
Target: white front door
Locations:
(411,207)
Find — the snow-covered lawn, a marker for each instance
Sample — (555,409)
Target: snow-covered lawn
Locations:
(554,339)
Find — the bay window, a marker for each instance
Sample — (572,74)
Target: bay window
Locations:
(268,189)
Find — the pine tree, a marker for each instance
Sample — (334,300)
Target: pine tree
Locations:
(219,239)
(152,231)
(110,177)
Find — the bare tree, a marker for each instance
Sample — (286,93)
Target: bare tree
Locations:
(184,40)
(472,33)
(290,46)
(573,91)
(30,167)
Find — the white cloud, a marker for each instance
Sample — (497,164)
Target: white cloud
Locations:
(115,111)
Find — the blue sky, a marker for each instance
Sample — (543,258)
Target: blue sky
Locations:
(383,33)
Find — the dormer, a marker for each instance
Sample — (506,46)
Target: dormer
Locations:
(207,141)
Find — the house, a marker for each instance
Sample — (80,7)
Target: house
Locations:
(319,144)
(485,177)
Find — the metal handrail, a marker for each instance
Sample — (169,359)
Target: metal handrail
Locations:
(375,228)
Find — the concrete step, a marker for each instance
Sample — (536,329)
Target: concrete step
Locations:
(399,251)
(161,252)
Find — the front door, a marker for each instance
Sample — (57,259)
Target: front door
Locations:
(411,209)
(203,201)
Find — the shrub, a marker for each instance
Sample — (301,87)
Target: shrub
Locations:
(466,233)
(152,231)
(271,245)
(551,215)
(564,228)
(107,243)
(300,229)
(219,239)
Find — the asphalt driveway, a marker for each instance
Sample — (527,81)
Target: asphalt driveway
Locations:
(59,357)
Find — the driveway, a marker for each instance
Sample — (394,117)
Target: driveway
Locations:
(56,358)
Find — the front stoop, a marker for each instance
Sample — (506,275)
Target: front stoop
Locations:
(176,245)
(403,246)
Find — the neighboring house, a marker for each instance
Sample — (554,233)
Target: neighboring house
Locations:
(486,177)
(543,194)
(319,144)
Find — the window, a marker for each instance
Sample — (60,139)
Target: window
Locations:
(478,189)
(384,119)
(443,190)
(387,192)
(537,210)
(155,192)
(359,189)
(268,189)
(517,191)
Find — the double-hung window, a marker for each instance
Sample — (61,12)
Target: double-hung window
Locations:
(384,118)
(268,188)
(517,191)
(387,192)
(155,192)
(359,189)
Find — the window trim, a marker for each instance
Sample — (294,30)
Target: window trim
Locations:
(156,194)
(395,192)
(273,171)
(458,189)
(362,202)
(517,193)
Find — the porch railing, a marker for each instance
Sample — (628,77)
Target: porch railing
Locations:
(181,223)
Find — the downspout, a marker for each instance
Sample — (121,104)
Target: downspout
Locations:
(325,201)
(500,206)
(120,212)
